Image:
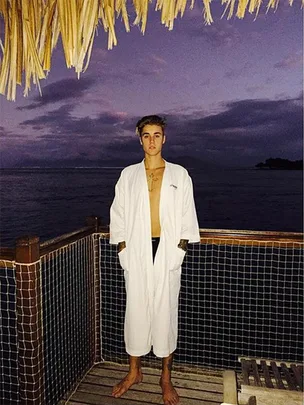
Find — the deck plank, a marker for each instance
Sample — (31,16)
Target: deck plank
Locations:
(205,375)
(143,397)
(92,399)
(178,381)
(77,403)
(96,388)
(90,386)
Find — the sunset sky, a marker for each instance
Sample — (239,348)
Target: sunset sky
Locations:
(231,93)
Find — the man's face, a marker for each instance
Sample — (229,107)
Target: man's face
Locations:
(152,139)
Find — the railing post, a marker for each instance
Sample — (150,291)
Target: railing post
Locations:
(95,222)
(29,321)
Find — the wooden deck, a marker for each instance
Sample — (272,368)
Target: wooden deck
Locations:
(193,389)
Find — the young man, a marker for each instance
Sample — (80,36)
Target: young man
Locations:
(153,218)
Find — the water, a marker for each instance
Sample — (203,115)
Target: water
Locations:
(51,202)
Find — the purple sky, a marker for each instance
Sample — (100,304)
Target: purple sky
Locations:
(231,92)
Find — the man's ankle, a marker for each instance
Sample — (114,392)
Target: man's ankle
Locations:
(135,370)
(134,364)
(165,377)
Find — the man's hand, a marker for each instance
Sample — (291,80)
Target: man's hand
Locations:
(183,244)
(121,246)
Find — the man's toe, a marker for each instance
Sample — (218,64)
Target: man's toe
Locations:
(119,392)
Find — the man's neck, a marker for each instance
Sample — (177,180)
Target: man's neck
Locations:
(154,162)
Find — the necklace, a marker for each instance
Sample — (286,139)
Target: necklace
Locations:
(155,168)
(152,178)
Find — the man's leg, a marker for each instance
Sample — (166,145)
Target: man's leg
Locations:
(170,395)
(134,376)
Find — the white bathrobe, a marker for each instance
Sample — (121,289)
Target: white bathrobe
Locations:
(152,289)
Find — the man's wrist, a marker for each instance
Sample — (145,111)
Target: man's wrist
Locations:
(183,244)
(121,246)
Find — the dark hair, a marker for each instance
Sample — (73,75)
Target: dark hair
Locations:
(150,120)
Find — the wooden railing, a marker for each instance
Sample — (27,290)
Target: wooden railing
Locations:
(22,269)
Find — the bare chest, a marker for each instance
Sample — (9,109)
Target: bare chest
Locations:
(154,181)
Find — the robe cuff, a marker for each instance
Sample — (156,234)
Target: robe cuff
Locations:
(114,240)
(194,238)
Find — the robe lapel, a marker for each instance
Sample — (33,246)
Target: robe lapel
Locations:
(146,211)
(143,185)
(164,193)
(167,202)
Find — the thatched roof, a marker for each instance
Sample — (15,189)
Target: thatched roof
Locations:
(32,29)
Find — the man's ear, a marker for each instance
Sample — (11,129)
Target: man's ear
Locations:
(140,140)
(164,139)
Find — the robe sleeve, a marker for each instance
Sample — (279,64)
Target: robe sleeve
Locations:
(117,214)
(190,228)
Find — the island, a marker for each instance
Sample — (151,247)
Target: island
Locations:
(281,164)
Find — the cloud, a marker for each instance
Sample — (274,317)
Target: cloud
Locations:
(239,72)
(255,113)
(243,133)
(63,126)
(3,132)
(7,135)
(240,132)
(62,90)
(159,60)
(290,62)
(219,34)
(131,74)
(255,89)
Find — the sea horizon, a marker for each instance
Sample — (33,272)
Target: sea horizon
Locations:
(186,161)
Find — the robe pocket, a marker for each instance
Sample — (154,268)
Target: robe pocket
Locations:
(123,258)
(178,259)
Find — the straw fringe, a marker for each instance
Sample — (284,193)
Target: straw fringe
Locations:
(32,29)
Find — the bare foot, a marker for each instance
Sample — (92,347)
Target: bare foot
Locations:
(133,377)
(170,396)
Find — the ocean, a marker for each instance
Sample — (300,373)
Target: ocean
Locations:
(51,202)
